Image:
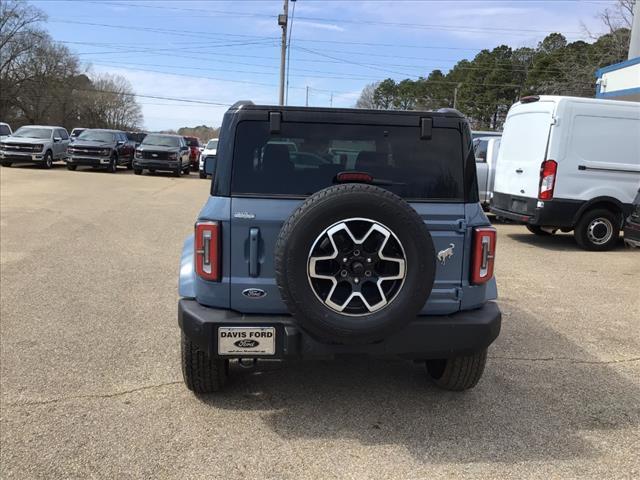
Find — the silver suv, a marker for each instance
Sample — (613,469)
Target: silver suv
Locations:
(38,144)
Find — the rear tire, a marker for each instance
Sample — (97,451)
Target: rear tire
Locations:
(537,230)
(458,373)
(71,167)
(137,171)
(177,172)
(202,174)
(6,164)
(598,230)
(187,170)
(201,372)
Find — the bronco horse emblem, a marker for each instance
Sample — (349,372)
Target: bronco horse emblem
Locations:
(446,253)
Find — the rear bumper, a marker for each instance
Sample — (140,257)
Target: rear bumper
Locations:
(426,337)
(558,212)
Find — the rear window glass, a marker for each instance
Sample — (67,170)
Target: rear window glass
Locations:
(304,158)
(192,142)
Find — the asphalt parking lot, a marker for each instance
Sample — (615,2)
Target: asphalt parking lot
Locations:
(91,384)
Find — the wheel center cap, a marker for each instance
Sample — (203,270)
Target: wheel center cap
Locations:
(357,268)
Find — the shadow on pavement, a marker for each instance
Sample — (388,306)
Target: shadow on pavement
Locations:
(539,398)
(556,242)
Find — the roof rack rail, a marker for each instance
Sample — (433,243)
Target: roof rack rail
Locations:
(241,103)
(450,110)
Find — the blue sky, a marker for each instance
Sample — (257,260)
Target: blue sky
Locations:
(223,51)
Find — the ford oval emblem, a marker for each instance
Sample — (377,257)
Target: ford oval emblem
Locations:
(254,293)
(246,343)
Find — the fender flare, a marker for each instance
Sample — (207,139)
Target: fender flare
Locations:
(187,278)
(599,200)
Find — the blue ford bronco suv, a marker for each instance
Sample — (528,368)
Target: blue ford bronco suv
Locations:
(333,232)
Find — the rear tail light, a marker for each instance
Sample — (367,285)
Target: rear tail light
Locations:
(547,179)
(207,246)
(483,255)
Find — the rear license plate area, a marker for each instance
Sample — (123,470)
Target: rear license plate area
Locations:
(519,206)
(252,341)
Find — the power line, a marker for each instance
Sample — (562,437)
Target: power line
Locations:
(360,21)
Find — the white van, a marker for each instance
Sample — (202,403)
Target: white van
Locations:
(569,163)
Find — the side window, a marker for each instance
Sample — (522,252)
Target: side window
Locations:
(62,133)
(480,150)
(4,130)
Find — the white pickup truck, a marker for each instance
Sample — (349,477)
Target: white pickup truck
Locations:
(486,152)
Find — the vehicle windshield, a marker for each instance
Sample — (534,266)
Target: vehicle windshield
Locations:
(31,132)
(97,136)
(192,142)
(161,141)
(396,156)
(212,145)
(76,132)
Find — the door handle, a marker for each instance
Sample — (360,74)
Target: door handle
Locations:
(519,170)
(254,237)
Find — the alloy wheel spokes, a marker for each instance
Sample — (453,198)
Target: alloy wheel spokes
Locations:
(356,266)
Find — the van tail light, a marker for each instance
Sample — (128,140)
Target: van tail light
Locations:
(208,252)
(483,254)
(547,179)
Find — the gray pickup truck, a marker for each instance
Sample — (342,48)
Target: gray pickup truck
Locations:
(162,152)
(367,238)
(38,144)
(486,152)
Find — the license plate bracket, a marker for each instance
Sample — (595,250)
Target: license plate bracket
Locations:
(246,340)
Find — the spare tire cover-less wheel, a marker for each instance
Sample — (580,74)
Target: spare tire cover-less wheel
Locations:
(354,263)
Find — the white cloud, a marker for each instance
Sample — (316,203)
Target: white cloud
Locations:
(320,26)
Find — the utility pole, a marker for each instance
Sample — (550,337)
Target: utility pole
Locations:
(455,95)
(634,41)
(306,100)
(282,21)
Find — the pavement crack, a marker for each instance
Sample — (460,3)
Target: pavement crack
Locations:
(92,395)
(568,360)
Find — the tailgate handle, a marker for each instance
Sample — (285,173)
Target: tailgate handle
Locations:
(519,170)
(254,237)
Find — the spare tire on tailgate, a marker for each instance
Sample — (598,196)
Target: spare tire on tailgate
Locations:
(354,263)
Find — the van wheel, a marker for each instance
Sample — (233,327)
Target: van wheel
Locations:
(598,230)
(201,372)
(458,373)
(537,230)
(6,164)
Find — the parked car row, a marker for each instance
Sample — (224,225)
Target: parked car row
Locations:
(565,164)
(102,149)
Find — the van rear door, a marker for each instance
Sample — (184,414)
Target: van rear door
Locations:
(523,148)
